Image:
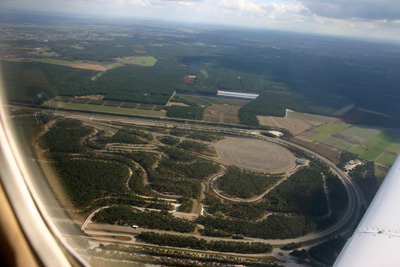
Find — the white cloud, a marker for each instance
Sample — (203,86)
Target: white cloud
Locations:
(346,9)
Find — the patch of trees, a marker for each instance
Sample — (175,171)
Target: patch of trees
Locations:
(301,255)
(186,204)
(193,146)
(121,137)
(173,257)
(27,126)
(201,244)
(345,157)
(204,136)
(302,193)
(169,140)
(328,251)
(145,159)
(245,184)
(178,132)
(137,183)
(273,227)
(180,178)
(365,177)
(162,220)
(198,169)
(337,194)
(291,246)
(178,154)
(137,132)
(65,136)
(95,177)
(183,112)
(129,200)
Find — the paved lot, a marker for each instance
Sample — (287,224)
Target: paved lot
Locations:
(256,155)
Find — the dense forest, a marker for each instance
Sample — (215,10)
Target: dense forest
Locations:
(95,177)
(192,112)
(65,136)
(302,193)
(244,184)
(273,227)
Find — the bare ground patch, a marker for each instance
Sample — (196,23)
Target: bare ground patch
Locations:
(256,155)
(296,122)
(222,113)
(323,150)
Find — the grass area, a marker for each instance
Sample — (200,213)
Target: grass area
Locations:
(80,100)
(94,108)
(129,105)
(309,117)
(372,154)
(59,61)
(359,150)
(360,134)
(336,143)
(43,54)
(331,128)
(319,136)
(111,103)
(374,144)
(96,102)
(380,173)
(386,159)
(146,106)
(141,61)
(114,65)
(77,46)
(63,98)
(385,140)
(15,59)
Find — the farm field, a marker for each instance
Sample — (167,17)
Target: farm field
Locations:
(140,61)
(110,109)
(222,113)
(374,144)
(296,122)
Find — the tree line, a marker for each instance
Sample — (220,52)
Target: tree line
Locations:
(201,244)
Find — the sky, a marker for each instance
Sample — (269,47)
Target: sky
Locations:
(371,19)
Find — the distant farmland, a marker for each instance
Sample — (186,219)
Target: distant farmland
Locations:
(374,144)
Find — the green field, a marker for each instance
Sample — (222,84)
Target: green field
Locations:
(386,159)
(77,46)
(331,128)
(372,154)
(336,143)
(140,61)
(43,52)
(375,144)
(94,108)
(60,61)
(360,134)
